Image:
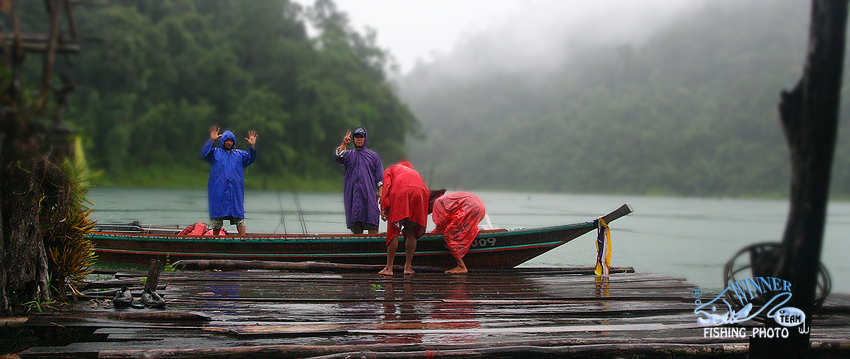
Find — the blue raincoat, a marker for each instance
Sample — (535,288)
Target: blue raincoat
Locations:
(226,187)
(363,174)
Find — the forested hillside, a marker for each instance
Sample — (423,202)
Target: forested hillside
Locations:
(168,70)
(692,110)
(681,105)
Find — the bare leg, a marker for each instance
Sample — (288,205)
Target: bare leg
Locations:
(356,232)
(461,267)
(216,230)
(241,230)
(373,231)
(391,248)
(409,249)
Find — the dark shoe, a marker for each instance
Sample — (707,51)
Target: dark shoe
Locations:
(152,300)
(123,298)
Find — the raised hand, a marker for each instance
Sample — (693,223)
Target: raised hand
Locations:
(214,135)
(347,138)
(252,138)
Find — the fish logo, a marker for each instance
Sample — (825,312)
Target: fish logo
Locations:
(745,291)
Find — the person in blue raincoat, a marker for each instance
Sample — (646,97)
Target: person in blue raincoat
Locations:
(362,179)
(226,186)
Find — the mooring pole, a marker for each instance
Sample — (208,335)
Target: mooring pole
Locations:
(809,115)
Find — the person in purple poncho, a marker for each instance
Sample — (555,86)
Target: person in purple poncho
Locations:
(363,175)
(226,186)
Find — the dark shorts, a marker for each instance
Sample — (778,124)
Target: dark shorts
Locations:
(217,223)
(358,227)
(411,227)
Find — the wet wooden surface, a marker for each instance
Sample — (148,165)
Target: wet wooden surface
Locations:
(515,313)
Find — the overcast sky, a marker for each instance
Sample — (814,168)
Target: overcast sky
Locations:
(417,30)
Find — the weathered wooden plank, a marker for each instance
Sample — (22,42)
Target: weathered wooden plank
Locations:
(581,272)
(442,327)
(406,351)
(116,283)
(9,322)
(559,346)
(307,266)
(257,314)
(398,351)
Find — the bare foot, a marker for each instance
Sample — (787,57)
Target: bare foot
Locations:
(386,271)
(457,270)
(409,271)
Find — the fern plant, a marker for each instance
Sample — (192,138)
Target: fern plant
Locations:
(66,222)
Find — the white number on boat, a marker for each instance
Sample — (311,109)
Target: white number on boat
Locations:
(481,242)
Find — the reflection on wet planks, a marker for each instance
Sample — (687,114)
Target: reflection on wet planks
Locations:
(506,313)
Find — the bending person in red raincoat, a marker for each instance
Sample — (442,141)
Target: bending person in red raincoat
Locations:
(404,205)
(457,216)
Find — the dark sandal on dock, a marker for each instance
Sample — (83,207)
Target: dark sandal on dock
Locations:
(123,298)
(152,300)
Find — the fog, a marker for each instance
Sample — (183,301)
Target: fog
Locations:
(542,35)
(675,97)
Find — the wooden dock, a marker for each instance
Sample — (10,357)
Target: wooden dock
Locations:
(521,313)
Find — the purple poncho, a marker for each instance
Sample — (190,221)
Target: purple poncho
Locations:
(226,187)
(363,174)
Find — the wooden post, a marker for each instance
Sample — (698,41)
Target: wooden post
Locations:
(809,115)
(153,275)
(5,310)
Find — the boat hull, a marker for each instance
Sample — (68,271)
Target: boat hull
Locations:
(491,249)
(495,249)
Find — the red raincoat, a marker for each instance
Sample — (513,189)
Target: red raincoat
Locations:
(457,216)
(404,195)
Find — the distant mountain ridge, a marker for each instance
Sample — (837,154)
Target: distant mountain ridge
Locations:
(691,111)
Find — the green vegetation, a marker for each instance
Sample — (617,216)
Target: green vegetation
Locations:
(169,70)
(38,306)
(691,111)
(65,222)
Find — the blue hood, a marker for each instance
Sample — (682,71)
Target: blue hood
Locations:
(227,135)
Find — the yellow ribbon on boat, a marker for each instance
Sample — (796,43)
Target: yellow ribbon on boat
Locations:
(603,249)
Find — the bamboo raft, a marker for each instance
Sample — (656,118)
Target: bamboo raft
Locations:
(335,312)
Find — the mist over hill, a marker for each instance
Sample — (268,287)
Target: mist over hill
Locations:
(643,98)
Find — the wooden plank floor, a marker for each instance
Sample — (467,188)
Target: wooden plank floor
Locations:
(516,313)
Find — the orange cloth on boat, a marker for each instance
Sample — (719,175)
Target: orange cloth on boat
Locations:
(404,196)
(200,229)
(457,216)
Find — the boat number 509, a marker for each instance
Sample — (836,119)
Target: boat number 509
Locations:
(482,242)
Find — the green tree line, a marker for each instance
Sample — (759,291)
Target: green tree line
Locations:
(692,111)
(166,71)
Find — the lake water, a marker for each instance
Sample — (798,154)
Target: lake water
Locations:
(691,238)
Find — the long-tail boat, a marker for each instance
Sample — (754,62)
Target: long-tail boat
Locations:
(496,248)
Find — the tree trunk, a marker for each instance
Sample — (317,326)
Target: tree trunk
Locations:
(25,256)
(4,298)
(29,166)
(809,116)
